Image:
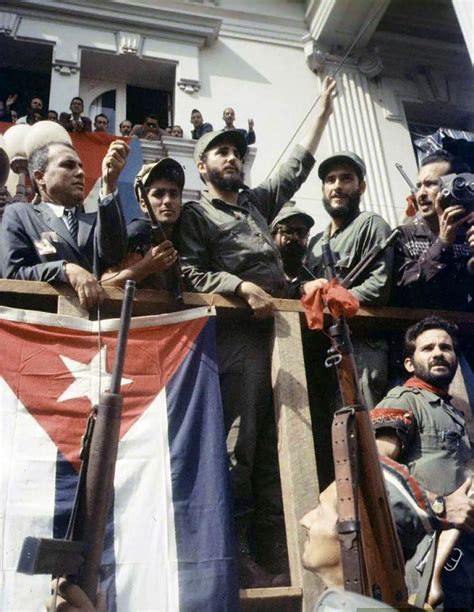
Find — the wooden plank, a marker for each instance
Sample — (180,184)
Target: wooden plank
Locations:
(299,478)
(70,305)
(367,318)
(273,593)
(283,599)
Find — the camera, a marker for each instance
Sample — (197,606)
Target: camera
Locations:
(458,189)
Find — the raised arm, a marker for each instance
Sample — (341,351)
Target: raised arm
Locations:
(312,137)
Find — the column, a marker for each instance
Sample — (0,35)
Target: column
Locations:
(65,74)
(354,127)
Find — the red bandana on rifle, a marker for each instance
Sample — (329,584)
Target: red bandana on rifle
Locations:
(338,300)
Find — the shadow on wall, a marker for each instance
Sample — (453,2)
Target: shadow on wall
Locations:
(224,62)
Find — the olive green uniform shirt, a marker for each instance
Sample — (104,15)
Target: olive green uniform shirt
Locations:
(435,445)
(222,245)
(348,245)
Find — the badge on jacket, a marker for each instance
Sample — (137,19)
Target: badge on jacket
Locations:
(44,246)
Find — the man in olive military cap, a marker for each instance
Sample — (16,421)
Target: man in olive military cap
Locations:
(416,425)
(290,232)
(350,235)
(226,247)
(148,263)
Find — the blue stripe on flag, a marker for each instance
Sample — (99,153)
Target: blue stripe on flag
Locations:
(130,207)
(200,481)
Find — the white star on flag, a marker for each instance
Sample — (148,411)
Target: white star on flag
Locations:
(90,379)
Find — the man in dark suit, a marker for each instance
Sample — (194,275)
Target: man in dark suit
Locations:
(75,121)
(54,240)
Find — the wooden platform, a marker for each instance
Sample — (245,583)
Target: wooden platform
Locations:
(295,441)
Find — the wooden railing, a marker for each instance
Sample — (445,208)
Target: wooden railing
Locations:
(295,440)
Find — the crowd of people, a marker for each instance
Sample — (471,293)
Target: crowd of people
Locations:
(252,243)
(149,129)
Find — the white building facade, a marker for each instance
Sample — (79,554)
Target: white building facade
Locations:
(266,59)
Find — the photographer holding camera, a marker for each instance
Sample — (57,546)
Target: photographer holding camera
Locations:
(433,251)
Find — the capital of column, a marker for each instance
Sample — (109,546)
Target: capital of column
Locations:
(189,86)
(65,68)
(129,43)
(9,23)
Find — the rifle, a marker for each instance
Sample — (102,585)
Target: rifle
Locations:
(80,553)
(159,236)
(372,558)
(399,167)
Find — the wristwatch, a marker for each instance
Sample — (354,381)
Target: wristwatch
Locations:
(439,505)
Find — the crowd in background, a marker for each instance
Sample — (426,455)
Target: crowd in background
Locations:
(76,121)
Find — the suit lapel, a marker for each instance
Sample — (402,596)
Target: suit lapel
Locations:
(56,224)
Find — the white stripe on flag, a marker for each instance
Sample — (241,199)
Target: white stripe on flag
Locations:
(27,493)
(145,543)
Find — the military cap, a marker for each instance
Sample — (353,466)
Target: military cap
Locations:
(342,157)
(289,211)
(214,138)
(154,171)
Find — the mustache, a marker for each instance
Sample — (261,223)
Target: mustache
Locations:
(439,361)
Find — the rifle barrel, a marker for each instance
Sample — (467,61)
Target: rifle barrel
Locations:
(125,318)
(95,502)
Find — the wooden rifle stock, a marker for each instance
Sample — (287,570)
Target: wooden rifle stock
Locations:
(94,504)
(159,236)
(80,553)
(372,558)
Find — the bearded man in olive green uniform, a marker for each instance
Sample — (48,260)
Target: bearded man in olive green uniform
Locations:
(226,247)
(416,425)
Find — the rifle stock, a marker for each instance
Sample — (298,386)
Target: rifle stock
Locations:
(372,558)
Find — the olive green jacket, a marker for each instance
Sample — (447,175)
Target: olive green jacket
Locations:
(222,245)
(434,441)
(348,246)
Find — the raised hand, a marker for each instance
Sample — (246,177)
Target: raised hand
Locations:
(328,91)
(113,164)
(12,98)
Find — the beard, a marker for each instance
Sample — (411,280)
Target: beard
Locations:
(293,252)
(432,378)
(226,183)
(347,210)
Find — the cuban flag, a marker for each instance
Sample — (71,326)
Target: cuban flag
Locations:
(169,544)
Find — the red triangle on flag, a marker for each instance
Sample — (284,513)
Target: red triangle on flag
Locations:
(34,367)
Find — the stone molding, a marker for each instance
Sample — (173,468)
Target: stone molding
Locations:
(9,23)
(185,25)
(189,86)
(129,43)
(65,68)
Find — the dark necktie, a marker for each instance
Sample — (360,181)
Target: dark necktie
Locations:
(72,222)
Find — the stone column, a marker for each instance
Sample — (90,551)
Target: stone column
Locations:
(354,127)
(65,70)
(65,79)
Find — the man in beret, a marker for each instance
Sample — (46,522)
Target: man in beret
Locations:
(226,247)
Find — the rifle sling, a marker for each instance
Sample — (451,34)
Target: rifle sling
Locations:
(346,466)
